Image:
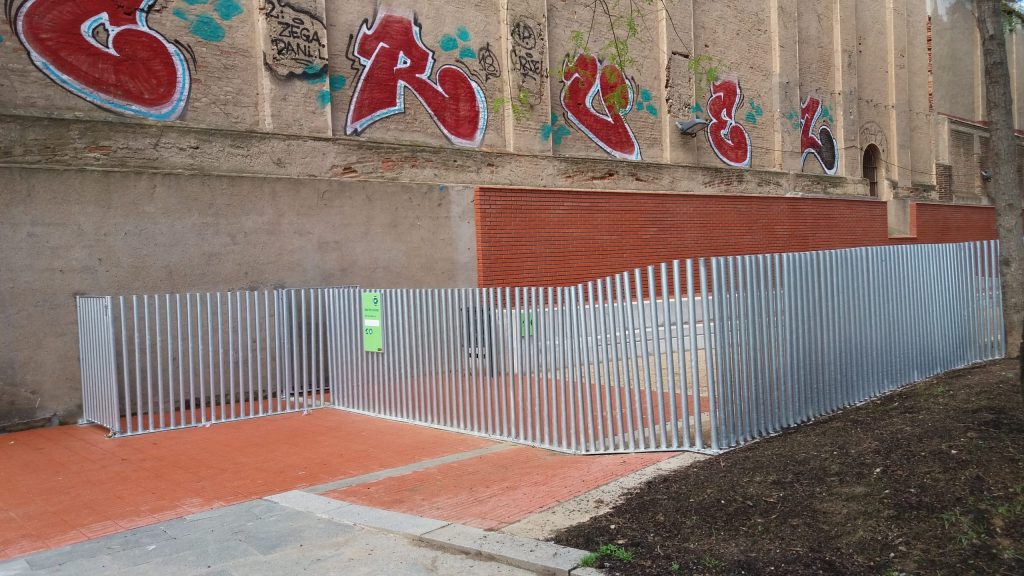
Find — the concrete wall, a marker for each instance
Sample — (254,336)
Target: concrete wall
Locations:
(134,233)
(180,145)
(491,75)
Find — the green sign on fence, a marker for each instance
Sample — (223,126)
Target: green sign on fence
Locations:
(372,336)
(525,324)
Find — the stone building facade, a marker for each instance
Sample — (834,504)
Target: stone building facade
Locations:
(153,146)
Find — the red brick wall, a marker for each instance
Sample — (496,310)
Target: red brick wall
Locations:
(556,237)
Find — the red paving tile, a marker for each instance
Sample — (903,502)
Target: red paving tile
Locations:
(497,489)
(64,485)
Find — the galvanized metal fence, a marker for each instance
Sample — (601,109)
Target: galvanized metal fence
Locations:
(701,354)
(159,362)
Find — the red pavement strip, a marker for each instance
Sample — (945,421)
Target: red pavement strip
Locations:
(59,486)
(64,485)
(494,490)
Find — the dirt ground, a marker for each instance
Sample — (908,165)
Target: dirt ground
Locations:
(929,480)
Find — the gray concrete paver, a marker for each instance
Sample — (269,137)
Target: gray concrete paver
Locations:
(258,538)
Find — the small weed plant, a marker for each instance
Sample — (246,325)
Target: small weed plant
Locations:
(610,551)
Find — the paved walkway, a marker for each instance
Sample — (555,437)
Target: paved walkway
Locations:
(61,486)
(252,539)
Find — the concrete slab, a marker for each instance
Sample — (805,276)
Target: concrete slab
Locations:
(14,568)
(395,522)
(253,539)
(306,502)
(533,555)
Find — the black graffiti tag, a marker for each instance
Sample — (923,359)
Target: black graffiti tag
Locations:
(488,61)
(523,34)
(526,38)
(296,40)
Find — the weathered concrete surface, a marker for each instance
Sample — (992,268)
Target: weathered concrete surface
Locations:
(36,142)
(543,525)
(252,539)
(64,233)
(533,555)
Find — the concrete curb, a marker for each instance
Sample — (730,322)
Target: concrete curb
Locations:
(516,551)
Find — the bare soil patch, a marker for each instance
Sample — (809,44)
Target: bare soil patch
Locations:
(929,480)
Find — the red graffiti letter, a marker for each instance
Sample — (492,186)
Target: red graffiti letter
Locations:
(587,79)
(394,60)
(128,68)
(823,146)
(728,138)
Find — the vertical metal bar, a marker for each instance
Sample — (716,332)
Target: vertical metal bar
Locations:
(499,340)
(462,398)
(708,360)
(593,373)
(322,330)
(304,359)
(159,364)
(238,342)
(262,341)
(220,355)
(720,354)
(249,346)
(605,378)
(648,381)
(507,404)
(576,422)
(457,353)
(547,383)
(278,348)
(537,353)
(523,333)
(631,354)
(489,362)
(659,420)
(997,301)
(203,354)
(231,355)
(172,397)
(293,340)
(124,369)
(181,360)
(669,362)
(583,410)
(683,400)
(562,377)
(613,342)
(694,357)
(475,347)
(437,386)
(149,368)
(138,364)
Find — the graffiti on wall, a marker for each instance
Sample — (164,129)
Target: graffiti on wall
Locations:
(527,44)
(727,137)
(588,79)
(105,52)
(393,60)
(481,63)
(296,43)
(821,144)
(206,19)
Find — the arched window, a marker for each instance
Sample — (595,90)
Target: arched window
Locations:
(872,164)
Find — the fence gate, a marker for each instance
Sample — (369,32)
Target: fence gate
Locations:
(160,362)
(701,354)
